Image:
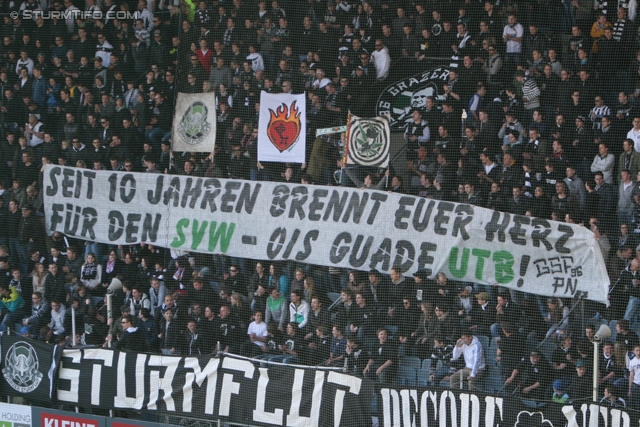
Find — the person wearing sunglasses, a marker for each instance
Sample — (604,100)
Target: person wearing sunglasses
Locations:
(131,337)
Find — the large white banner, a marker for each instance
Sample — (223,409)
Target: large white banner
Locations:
(283,128)
(194,122)
(331,226)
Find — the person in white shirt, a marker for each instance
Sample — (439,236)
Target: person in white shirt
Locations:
(321,79)
(381,59)
(634,134)
(474,369)
(26,62)
(103,50)
(34,132)
(634,378)
(257,61)
(257,332)
(144,14)
(512,36)
(298,309)
(70,12)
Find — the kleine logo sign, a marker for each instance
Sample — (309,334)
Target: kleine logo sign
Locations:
(59,420)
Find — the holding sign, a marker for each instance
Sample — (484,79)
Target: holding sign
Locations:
(338,227)
(194,122)
(368,141)
(283,128)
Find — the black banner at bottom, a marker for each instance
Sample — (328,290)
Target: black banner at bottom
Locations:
(228,388)
(438,407)
(28,368)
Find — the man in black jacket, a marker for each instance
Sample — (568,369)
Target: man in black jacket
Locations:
(132,338)
(511,349)
(160,123)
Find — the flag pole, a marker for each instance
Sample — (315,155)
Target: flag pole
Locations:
(346,145)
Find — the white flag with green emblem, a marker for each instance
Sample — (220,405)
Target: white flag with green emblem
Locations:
(194,123)
(369,141)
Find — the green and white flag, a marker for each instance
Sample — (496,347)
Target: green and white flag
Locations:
(369,141)
(194,123)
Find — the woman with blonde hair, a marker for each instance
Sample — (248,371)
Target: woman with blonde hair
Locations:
(38,275)
(91,272)
(310,290)
(427,328)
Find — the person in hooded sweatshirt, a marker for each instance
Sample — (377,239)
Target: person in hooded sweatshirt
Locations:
(470,348)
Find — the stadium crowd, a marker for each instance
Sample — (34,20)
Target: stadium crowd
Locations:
(552,130)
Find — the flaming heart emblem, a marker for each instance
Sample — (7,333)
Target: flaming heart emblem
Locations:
(284,126)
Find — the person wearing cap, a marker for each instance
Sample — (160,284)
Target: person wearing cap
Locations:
(474,369)
(559,391)
(581,383)
(531,377)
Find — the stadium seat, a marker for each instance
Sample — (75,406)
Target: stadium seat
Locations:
(426,364)
(494,342)
(614,332)
(411,362)
(423,377)
(333,296)
(391,330)
(406,376)
(547,349)
(215,286)
(484,340)
(402,351)
(490,356)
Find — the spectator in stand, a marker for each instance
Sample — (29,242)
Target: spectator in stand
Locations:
(533,375)
(294,349)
